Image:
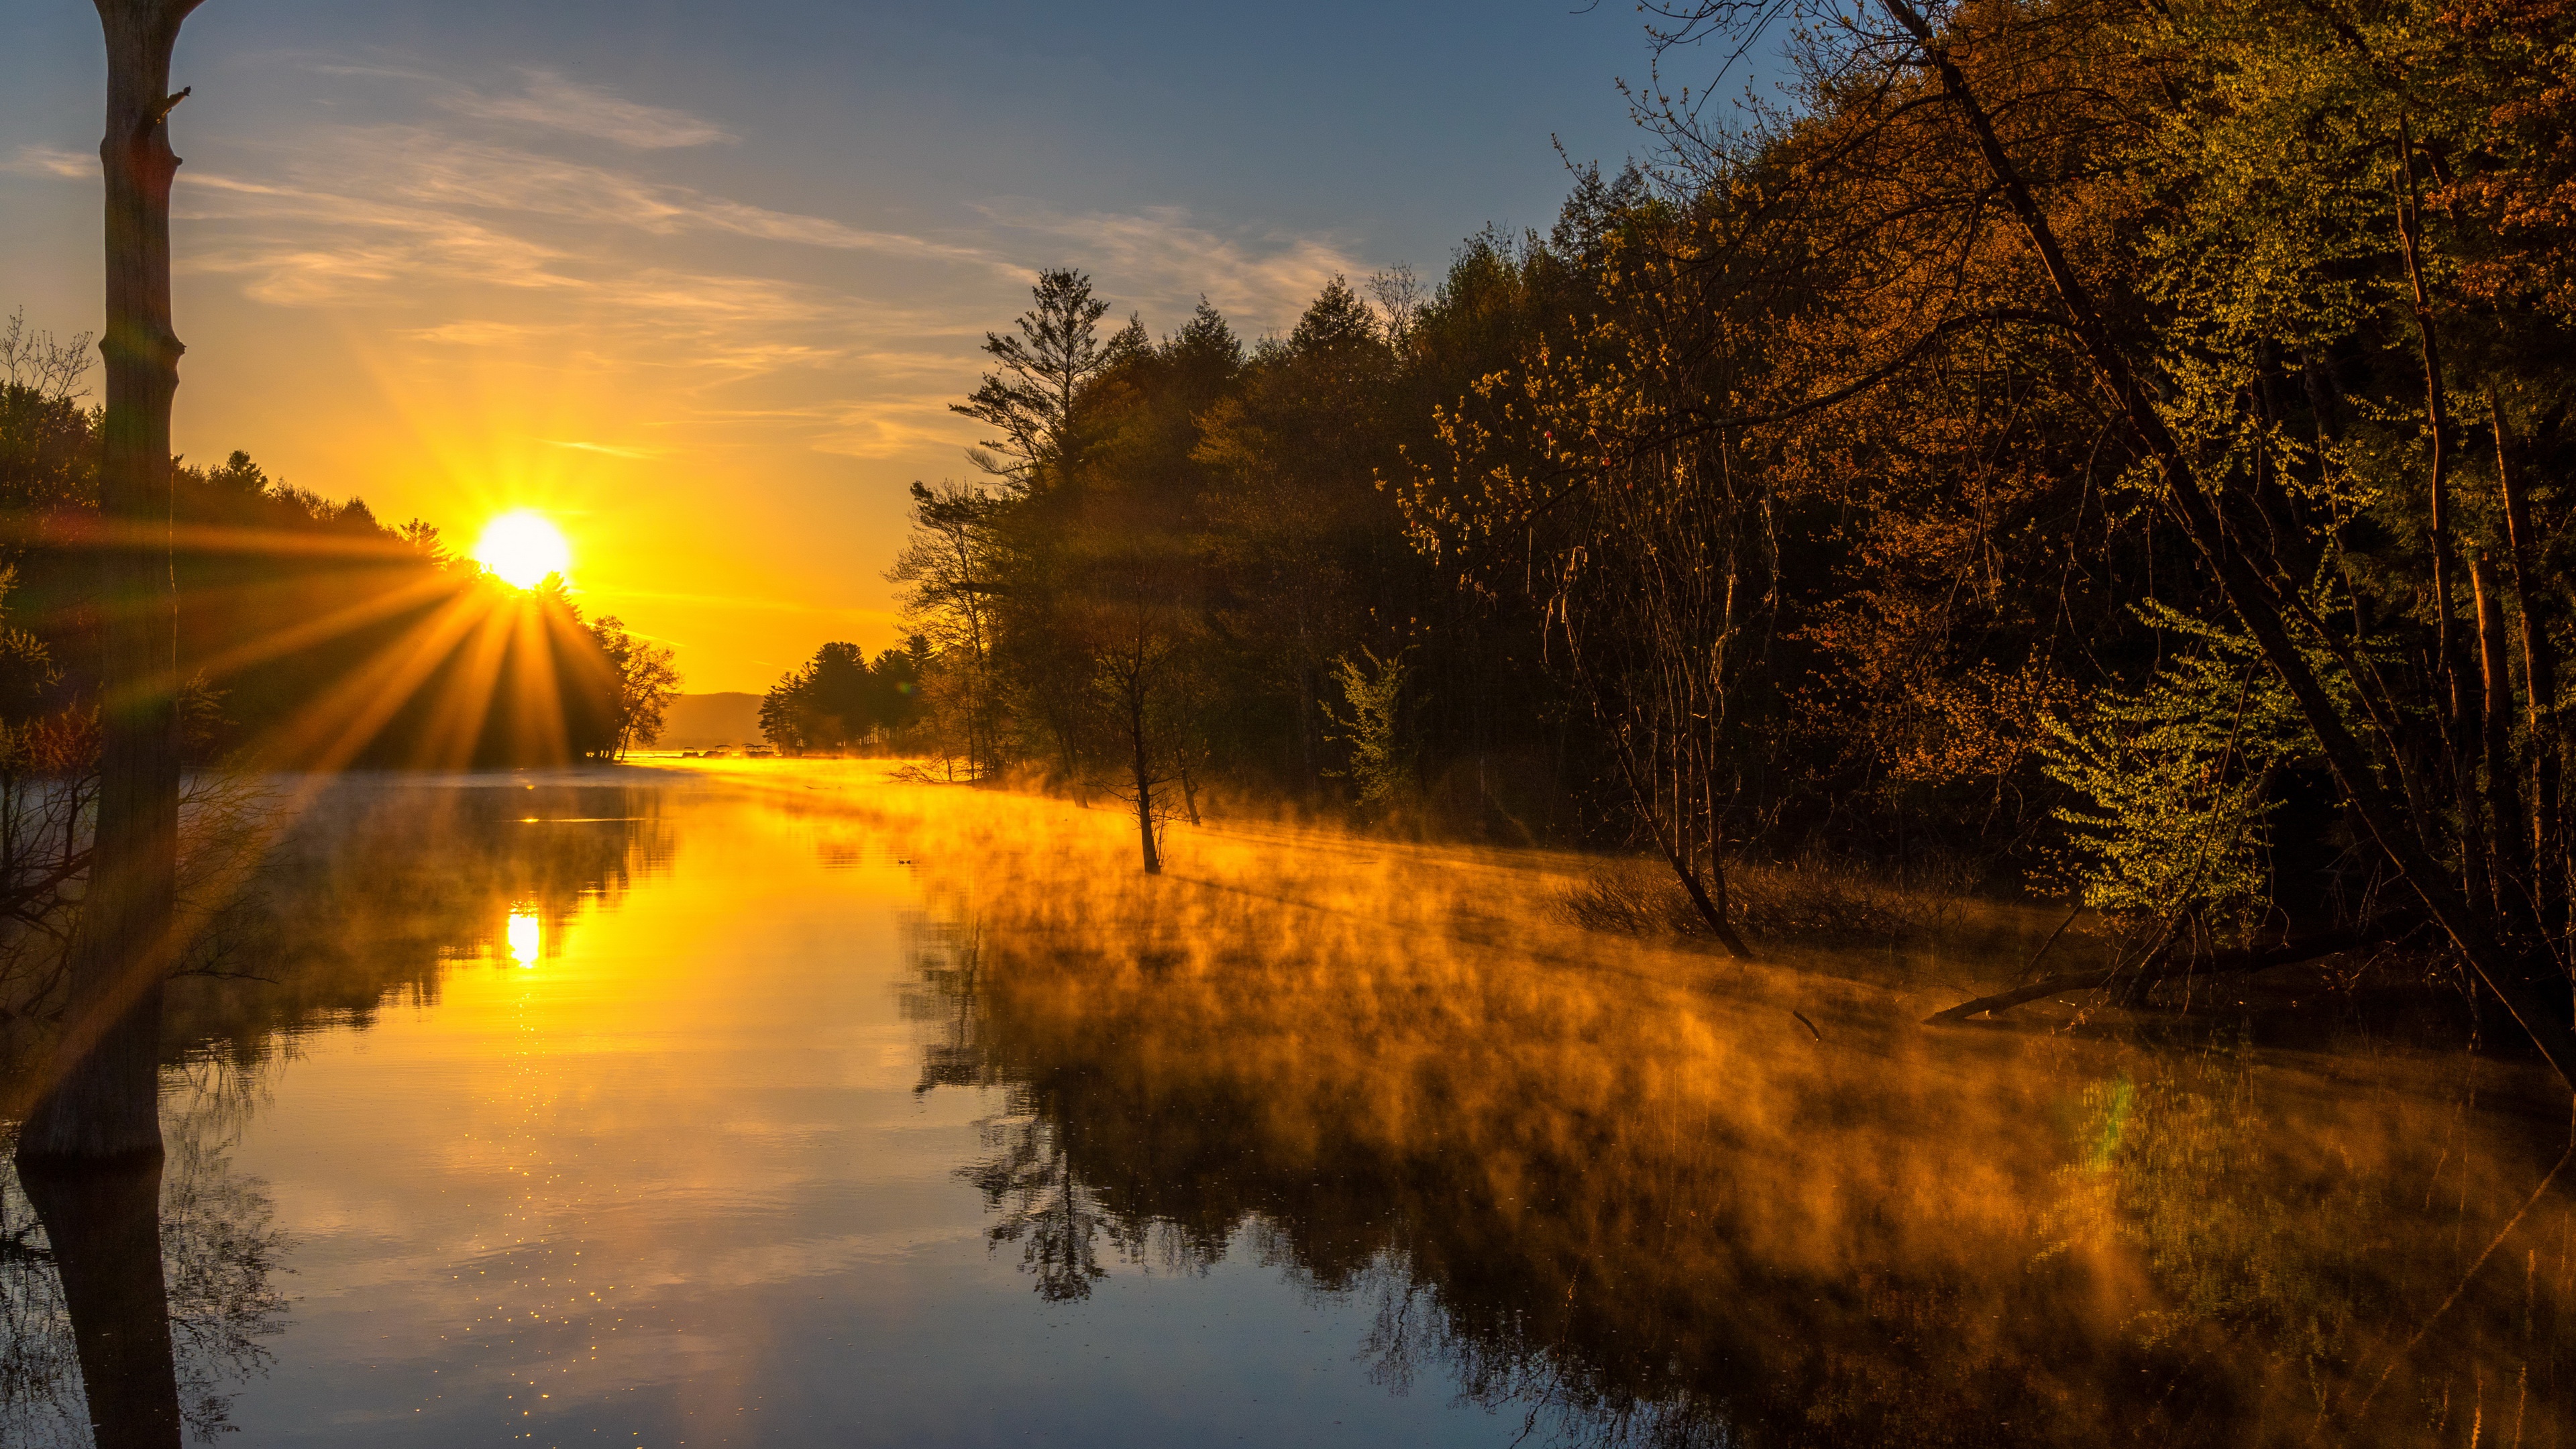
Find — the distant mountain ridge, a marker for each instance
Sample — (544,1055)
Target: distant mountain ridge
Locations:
(700,721)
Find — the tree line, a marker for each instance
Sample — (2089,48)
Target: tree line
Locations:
(2119,446)
(839,701)
(308,632)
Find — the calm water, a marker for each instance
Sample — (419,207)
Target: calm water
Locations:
(786,1106)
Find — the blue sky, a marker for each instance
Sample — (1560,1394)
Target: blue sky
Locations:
(700,279)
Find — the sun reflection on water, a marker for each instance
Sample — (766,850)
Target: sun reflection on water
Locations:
(526,935)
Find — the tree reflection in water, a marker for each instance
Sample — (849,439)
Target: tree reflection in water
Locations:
(127,1327)
(136,1322)
(1631,1211)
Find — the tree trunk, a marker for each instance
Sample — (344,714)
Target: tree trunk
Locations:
(2511,837)
(101,1100)
(103,1221)
(1713,912)
(2252,595)
(2156,967)
(2465,731)
(1144,782)
(2539,662)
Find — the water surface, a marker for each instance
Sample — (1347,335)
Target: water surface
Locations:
(784,1105)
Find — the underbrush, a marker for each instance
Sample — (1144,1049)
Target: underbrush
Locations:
(1819,900)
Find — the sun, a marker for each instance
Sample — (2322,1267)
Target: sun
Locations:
(523,547)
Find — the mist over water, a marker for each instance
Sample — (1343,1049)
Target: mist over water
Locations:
(775,1103)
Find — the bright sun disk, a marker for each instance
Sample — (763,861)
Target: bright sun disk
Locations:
(523,547)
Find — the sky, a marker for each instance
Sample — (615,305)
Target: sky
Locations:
(699,281)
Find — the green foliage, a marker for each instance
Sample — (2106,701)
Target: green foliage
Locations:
(1372,697)
(2177,780)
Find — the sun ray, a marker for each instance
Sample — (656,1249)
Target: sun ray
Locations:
(459,716)
(536,704)
(304,635)
(328,732)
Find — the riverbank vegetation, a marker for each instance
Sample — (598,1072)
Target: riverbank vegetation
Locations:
(1655,1197)
(2104,452)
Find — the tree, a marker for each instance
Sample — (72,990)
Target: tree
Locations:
(894,686)
(48,442)
(96,1124)
(2056,113)
(102,1100)
(1650,549)
(1033,401)
(1136,627)
(950,564)
(830,703)
(1371,723)
(646,680)
(1296,521)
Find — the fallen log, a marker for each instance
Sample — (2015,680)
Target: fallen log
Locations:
(2240,960)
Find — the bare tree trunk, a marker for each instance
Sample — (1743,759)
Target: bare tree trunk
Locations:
(2464,731)
(2254,597)
(1144,766)
(2511,837)
(1710,911)
(2539,661)
(101,1100)
(103,1221)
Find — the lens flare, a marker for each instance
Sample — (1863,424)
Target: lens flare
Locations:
(523,547)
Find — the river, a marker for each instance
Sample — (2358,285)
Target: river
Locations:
(775,1103)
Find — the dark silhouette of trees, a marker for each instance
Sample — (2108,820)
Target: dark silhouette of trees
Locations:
(646,679)
(951,567)
(1034,400)
(839,701)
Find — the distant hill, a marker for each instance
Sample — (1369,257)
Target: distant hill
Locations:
(701,721)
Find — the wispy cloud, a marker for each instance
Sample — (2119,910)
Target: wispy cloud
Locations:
(50,161)
(889,426)
(547,99)
(1166,257)
(411,177)
(612,450)
(612,270)
(478,333)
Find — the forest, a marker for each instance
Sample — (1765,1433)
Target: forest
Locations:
(2109,452)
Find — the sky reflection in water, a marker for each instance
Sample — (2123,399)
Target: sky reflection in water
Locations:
(843,1113)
